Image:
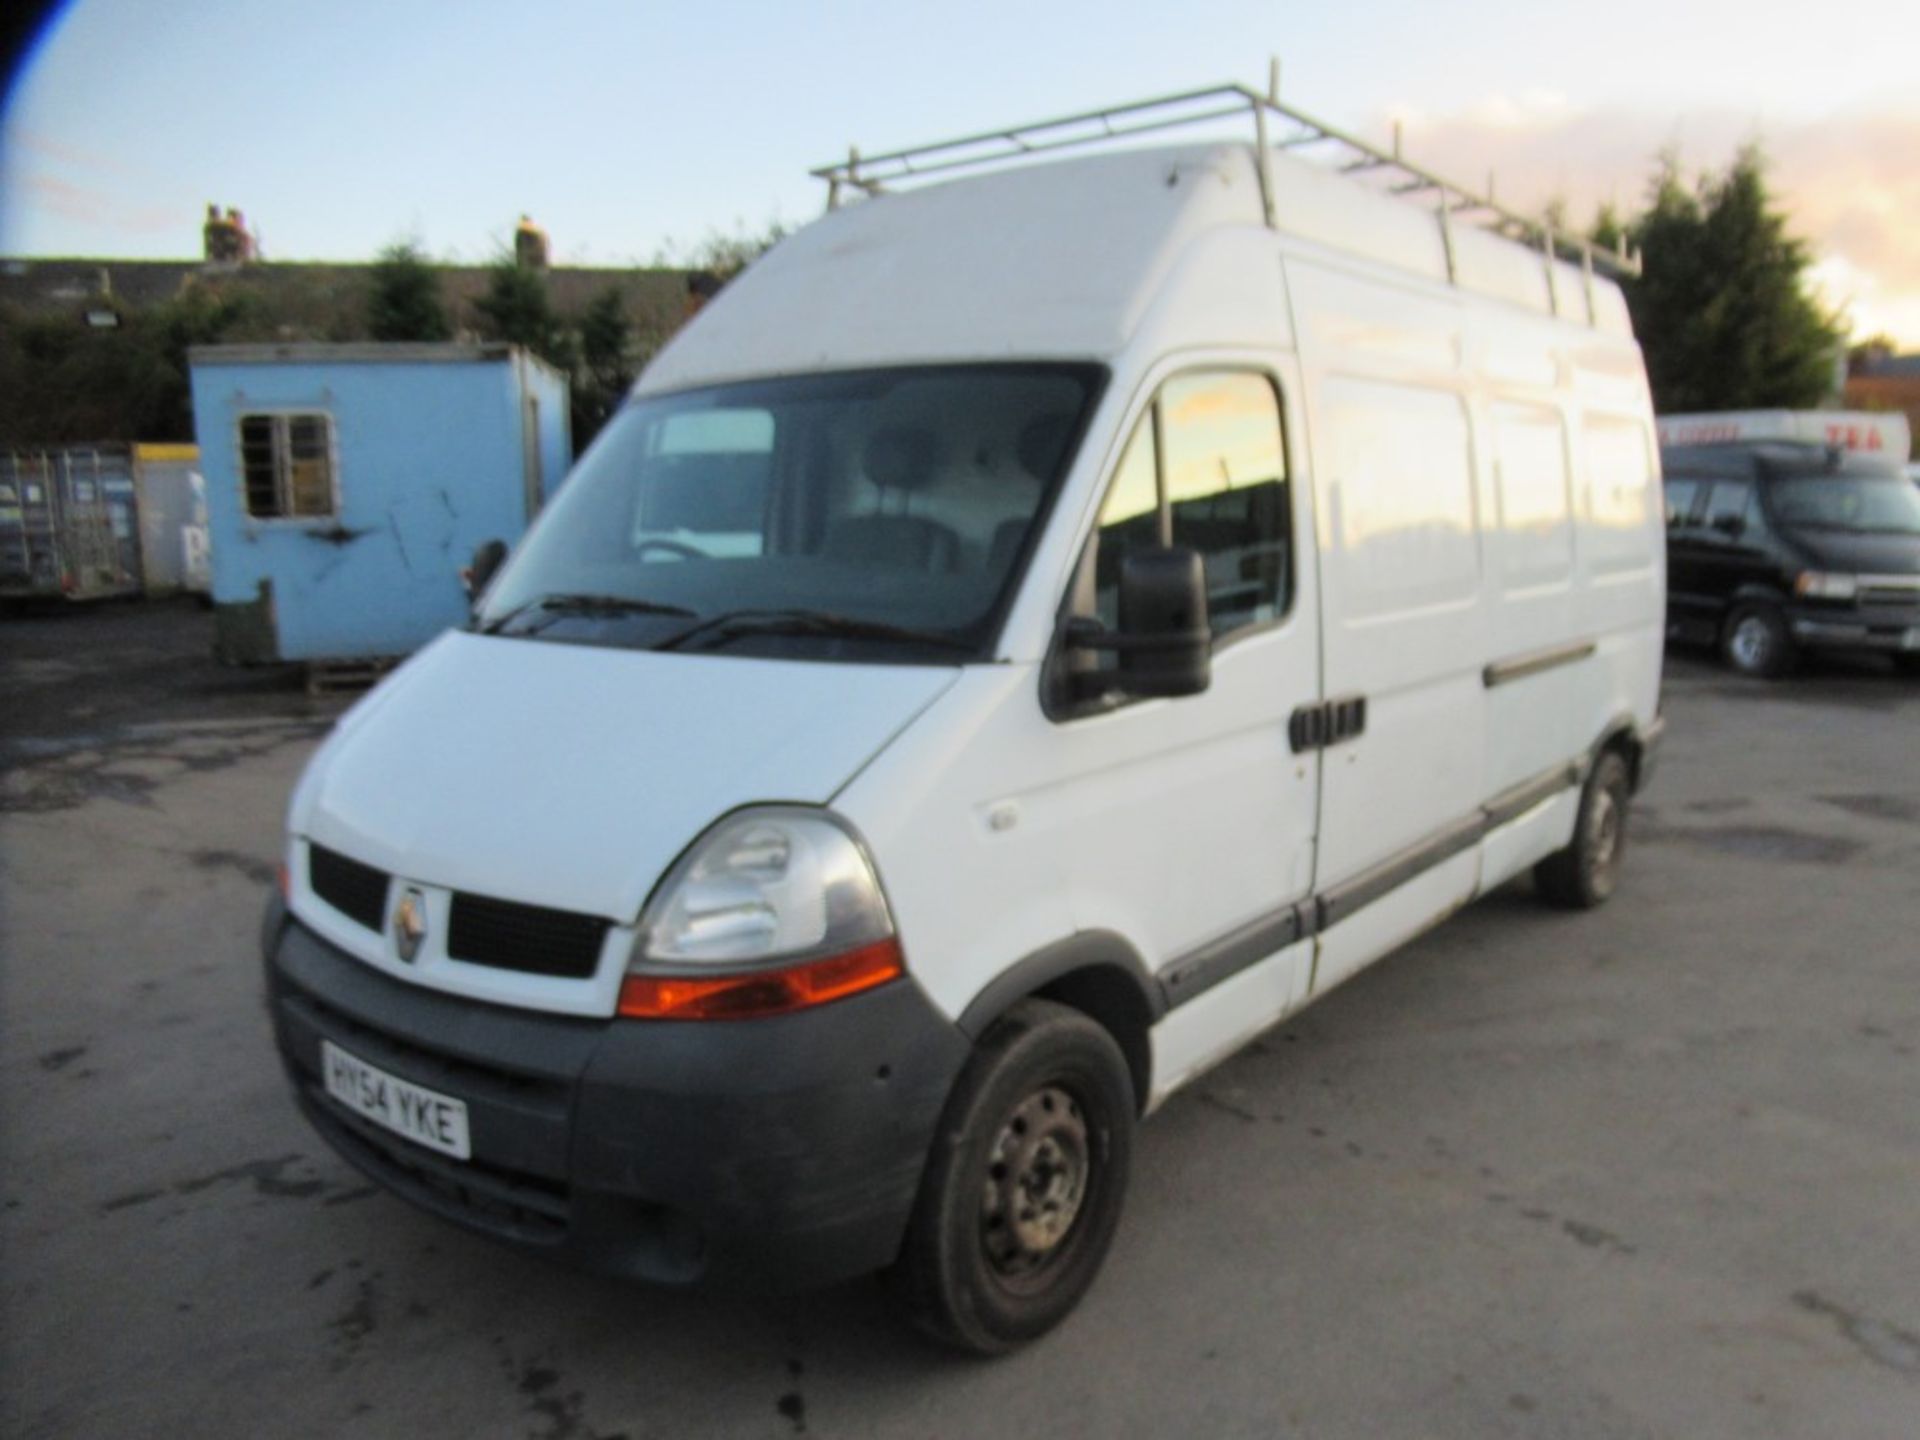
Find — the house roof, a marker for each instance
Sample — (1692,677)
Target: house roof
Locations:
(311,297)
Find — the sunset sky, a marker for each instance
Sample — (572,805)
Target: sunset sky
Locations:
(627,127)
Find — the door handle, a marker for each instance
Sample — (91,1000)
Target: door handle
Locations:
(1331,722)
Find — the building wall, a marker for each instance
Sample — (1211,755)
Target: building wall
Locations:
(1887,392)
(429,462)
(554,439)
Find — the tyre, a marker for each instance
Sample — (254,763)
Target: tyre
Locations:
(1757,643)
(1585,873)
(1023,1190)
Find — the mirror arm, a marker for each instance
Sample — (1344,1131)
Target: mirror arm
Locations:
(1083,633)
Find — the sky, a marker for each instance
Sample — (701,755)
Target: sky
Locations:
(631,129)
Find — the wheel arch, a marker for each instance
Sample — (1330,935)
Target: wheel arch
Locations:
(1754,592)
(1624,734)
(1095,972)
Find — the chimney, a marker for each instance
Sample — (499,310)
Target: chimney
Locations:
(225,238)
(529,245)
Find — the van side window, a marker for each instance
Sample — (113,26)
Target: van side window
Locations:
(1729,506)
(1225,478)
(1680,498)
(1130,518)
(1206,468)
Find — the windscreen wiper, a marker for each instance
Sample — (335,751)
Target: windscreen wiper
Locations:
(718,629)
(563,603)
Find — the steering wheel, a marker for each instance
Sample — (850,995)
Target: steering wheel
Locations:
(674,548)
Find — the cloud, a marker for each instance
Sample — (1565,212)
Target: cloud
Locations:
(61,153)
(1847,182)
(91,189)
(104,211)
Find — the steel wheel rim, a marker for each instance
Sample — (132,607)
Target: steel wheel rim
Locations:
(1603,831)
(1751,643)
(1036,1183)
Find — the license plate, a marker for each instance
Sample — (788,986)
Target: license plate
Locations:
(423,1116)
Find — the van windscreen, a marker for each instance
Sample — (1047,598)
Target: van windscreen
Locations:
(1875,504)
(900,502)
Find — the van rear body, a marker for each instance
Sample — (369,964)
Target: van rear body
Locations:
(1028,636)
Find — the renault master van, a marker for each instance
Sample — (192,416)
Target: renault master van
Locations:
(1029,635)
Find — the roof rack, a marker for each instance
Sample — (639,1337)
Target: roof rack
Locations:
(873,174)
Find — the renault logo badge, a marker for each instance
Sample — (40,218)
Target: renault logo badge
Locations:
(410,923)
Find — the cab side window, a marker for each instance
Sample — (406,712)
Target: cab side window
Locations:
(1680,497)
(1731,508)
(1129,520)
(1206,468)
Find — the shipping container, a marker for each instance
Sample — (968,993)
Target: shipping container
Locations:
(68,523)
(172,500)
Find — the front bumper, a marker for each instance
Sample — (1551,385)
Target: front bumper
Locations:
(1889,629)
(776,1153)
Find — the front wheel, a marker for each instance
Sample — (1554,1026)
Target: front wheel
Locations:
(1757,642)
(1023,1190)
(1585,873)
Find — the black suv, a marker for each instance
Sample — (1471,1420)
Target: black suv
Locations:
(1776,548)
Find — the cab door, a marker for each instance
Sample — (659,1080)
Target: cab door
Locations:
(1731,552)
(1692,609)
(1198,814)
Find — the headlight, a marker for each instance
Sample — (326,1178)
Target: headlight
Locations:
(1820,585)
(773,909)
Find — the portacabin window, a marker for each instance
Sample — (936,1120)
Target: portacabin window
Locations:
(1205,468)
(286,466)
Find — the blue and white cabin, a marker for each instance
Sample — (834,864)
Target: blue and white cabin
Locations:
(348,484)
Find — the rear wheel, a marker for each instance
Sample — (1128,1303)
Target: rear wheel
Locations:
(1586,872)
(1757,643)
(1023,1190)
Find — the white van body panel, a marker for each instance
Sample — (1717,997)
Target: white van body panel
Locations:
(571,776)
(1526,840)
(1479,556)
(1199,1035)
(1388,923)
(1049,262)
(1002,832)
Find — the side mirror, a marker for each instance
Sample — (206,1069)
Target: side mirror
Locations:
(487,558)
(1164,646)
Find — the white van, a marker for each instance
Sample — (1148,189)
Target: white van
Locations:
(1029,635)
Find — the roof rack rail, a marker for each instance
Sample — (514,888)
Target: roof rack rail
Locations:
(873,174)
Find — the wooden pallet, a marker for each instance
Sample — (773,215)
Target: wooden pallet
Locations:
(345,677)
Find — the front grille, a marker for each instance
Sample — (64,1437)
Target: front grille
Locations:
(528,938)
(1904,597)
(357,891)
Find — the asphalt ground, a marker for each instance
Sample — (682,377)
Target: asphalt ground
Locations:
(1650,1171)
